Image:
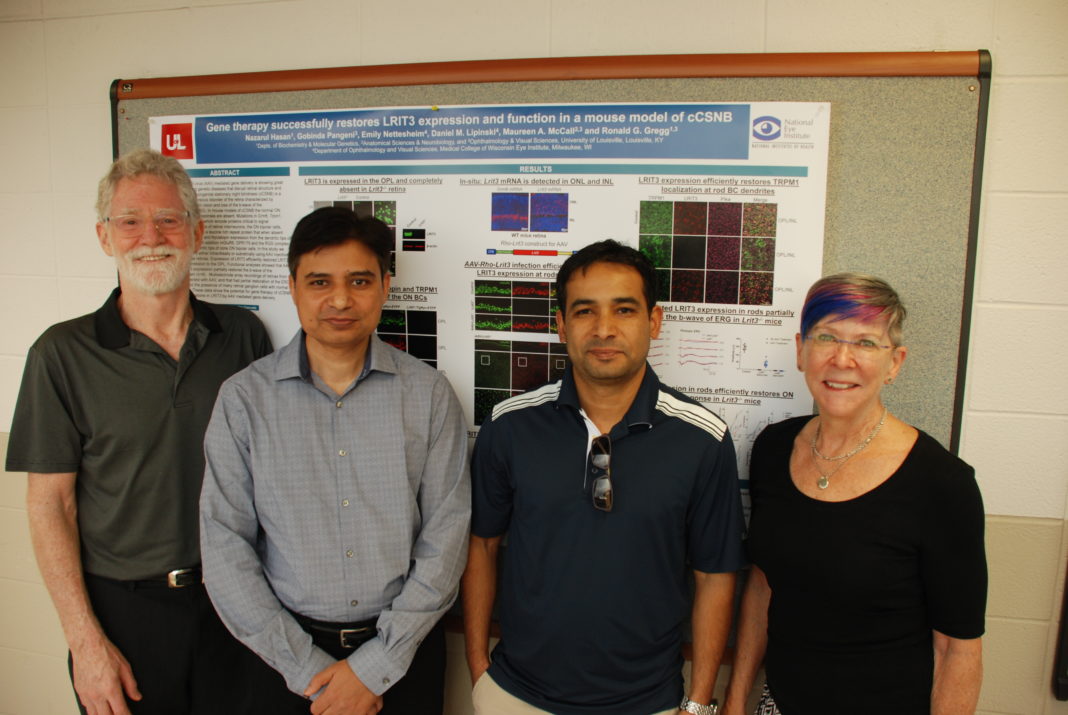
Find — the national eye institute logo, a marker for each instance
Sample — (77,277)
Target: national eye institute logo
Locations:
(767,128)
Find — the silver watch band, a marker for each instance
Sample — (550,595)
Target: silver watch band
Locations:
(689,706)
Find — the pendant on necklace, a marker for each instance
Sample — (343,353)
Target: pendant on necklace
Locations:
(822,482)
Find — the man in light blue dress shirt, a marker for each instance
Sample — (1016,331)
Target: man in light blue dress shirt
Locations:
(336,500)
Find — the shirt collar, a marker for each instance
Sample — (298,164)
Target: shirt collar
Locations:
(641,410)
(293,359)
(113,333)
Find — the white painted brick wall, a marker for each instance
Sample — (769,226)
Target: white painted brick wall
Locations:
(58,58)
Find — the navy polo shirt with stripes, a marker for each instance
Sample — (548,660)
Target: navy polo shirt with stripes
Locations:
(593,604)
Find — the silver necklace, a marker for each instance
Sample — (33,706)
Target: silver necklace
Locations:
(825,477)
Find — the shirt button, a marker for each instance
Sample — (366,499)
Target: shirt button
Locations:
(385,681)
(342,452)
(348,554)
(344,502)
(339,404)
(354,602)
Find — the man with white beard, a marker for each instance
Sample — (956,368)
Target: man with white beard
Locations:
(110,425)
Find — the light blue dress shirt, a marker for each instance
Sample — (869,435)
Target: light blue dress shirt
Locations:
(338,507)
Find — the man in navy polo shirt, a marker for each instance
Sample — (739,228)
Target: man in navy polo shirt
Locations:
(611,488)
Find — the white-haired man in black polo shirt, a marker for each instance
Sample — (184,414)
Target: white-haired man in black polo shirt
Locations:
(110,425)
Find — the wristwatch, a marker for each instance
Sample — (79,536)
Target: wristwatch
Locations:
(689,706)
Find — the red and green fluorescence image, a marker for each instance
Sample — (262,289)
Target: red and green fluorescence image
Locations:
(515,306)
(510,367)
(710,252)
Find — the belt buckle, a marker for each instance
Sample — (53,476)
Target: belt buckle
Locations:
(352,637)
(180,578)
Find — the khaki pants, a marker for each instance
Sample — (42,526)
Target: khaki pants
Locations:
(491,699)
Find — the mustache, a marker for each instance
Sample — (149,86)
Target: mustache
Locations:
(596,343)
(145,251)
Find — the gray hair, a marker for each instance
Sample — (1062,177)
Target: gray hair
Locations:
(145,161)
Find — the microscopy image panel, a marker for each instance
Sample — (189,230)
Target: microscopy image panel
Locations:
(655,217)
(722,287)
(424,347)
(760,220)
(529,371)
(530,306)
(493,345)
(688,252)
(493,305)
(723,253)
(392,321)
(724,219)
(493,322)
(530,324)
(486,400)
(663,285)
(335,204)
(363,209)
(533,290)
(492,369)
(657,249)
(756,288)
(690,217)
(386,212)
(397,341)
(424,322)
(687,286)
(548,212)
(493,288)
(557,365)
(511,212)
(758,253)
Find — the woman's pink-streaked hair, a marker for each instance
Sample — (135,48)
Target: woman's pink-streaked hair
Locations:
(853,295)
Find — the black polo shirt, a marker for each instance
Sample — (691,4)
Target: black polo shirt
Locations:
(108,403)
(593,604)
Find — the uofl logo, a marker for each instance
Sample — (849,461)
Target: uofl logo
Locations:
(177,141)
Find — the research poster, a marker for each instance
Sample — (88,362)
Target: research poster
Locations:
(486,202)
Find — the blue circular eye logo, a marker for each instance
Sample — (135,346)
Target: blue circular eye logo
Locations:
(767,128)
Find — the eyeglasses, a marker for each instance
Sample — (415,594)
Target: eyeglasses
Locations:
(601,459)
(167,223)
(825,342)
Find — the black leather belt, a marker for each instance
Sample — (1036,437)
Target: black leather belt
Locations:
(178,578)
(347,635)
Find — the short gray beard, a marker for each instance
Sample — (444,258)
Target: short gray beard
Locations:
(153,279)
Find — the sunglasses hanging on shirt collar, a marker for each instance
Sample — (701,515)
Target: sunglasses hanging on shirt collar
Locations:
(601,459)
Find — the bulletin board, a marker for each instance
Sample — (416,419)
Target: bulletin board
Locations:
(903,164)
